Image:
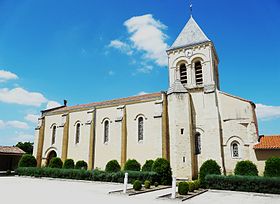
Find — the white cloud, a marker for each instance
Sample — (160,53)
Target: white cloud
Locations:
(52,104)
(2,124)
(266,112)
(14,124)
(142,93)
(122,46)
(22,97)
(147,36)
(111,73)
(23,137)
(6,75)
(146,69)
(17,124)
(32,118)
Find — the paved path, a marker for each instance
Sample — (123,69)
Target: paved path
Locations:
(15,190)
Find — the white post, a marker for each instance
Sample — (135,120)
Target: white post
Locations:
(125,182)
(173,195)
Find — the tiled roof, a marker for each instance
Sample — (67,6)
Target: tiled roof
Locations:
(10,150)
(121,101)
(269,142)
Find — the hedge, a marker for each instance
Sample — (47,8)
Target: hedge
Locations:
(183,188)
(56,162)
(148,165)
(246,168)
(27,160)
(272,167)
(69,164)
(132,165)
(244,183)
(81,174)
(81,165)
(208,167)
(162,168)
(113,166)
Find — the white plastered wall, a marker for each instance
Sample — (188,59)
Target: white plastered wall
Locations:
(105,152)
(151,146)
(79,151)
(238,126)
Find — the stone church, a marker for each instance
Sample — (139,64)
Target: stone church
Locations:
(191,122)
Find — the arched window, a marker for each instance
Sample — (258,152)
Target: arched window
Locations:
(78,132)
(235,150)
(183,74)
(197,140)
(140,128)
(198,73)
(106,131)
(53,134)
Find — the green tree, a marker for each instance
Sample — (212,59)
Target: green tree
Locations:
(26,146)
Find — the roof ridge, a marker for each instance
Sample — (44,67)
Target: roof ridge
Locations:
(139,97)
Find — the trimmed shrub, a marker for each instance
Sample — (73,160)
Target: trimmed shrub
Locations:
(81,165)
(81,174)
(8,172)
(137,185)
(132,165)
(113,166)
(196,184)
(55,163)
(191,186)
(148,165)
(244,183)
(162,168)
(208,167)
(68,164)
(272,167)
(147,184)
(27,160)
(183,188)
(246,168)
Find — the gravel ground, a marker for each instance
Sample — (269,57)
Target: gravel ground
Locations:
(15,190)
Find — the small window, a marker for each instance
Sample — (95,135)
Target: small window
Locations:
(183,74)
(235,150)
(53,134)
(78,132)
(106,131)
(198,73)
(182,131)
(197,143)
(140,128)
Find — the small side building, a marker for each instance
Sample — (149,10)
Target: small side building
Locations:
(9,157)
(268,146)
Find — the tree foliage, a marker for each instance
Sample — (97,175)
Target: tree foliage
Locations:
(26,146)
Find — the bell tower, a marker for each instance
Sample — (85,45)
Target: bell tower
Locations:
(192,100)
(193,60)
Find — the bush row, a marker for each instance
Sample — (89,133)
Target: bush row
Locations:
(244,183)
(82,174)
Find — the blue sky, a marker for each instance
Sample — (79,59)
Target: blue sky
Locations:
(94,50)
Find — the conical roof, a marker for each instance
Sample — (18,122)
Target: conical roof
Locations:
(190,35)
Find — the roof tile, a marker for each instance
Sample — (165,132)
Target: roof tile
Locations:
(269,142)
(10,150)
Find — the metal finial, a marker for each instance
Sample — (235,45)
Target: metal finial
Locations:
(190,7)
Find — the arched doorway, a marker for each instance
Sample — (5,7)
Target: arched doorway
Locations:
(51,155)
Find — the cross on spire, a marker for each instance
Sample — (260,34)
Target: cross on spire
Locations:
(190,7)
